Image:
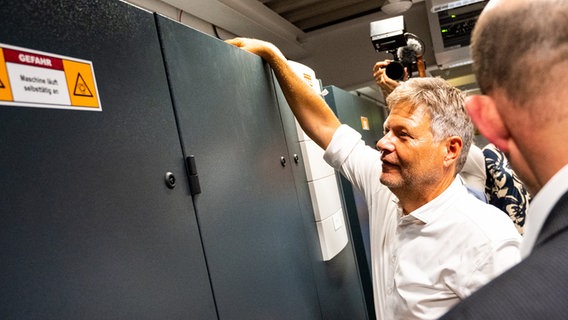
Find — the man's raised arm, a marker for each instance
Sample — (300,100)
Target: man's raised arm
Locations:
(314,115)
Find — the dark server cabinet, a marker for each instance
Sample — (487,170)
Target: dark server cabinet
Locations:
(98,217)
(248,211)
(88,227)
(367,117)
(340,287)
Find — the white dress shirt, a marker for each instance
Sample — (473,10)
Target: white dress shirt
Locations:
(427,261)
(540,207)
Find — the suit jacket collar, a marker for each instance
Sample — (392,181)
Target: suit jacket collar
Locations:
(555,223)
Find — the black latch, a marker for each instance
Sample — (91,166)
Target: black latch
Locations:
(194,186)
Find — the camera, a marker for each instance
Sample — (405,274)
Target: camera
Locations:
(389,35)
(395,70)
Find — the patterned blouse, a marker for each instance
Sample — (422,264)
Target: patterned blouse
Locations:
(503,187)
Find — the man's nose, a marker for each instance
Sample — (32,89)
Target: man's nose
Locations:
(385,143)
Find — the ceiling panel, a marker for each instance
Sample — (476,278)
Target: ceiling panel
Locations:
(309,15)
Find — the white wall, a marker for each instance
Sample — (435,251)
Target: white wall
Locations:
(181,16)
(341,55)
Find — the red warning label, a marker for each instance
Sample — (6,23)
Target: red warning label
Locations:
(38,79)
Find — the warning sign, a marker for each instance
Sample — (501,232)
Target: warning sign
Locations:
(38,79)
(81,88)
(365,123)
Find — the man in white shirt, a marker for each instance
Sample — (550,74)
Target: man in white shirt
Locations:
(432,244)
(520,59)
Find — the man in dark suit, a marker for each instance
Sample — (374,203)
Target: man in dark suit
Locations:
(520,54)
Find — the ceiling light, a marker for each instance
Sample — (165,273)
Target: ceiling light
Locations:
(393,7)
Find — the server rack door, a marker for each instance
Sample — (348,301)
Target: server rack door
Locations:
(339,285)
(367,118)
(248,210)
(88,227)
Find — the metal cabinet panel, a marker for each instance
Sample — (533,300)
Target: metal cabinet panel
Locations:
(367,117)
(88,227)
(248,210)
(340,286)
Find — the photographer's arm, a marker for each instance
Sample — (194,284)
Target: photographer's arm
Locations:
(385,83)
(314,115)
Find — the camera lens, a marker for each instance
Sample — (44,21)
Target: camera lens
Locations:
(395,70)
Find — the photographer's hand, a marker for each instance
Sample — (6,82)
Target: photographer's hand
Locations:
(385,83)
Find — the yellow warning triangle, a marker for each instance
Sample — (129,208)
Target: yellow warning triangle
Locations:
(81,88)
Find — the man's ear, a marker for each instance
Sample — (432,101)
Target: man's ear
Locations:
(484,114)
(454,146)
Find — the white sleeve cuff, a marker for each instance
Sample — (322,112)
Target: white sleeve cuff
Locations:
(342,143)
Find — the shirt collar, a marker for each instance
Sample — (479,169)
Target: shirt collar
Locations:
(540,207)
(429,212)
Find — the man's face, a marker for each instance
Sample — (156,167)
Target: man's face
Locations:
(411,160)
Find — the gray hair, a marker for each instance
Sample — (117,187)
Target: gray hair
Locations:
(445,105)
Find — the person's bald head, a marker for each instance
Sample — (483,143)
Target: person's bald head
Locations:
(516,45)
